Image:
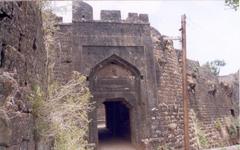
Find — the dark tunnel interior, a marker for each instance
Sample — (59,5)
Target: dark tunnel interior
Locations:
(117,122)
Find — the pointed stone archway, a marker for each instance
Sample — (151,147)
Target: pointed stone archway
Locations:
(116,83)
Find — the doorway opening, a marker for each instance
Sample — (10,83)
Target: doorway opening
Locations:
(114,122)
(232,112)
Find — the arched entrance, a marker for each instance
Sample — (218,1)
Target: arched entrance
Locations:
(115,86)
(117,125)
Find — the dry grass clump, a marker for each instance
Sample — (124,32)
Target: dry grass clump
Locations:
(63,116)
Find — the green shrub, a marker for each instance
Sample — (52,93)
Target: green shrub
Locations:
(218,124)
(202,140)
(233,127)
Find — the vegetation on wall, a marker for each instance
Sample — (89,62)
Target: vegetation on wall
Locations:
(63,115)
(200,134)
(202,139)
(218,124)
(49,29)
(61,111)
(233,127)
(215,66)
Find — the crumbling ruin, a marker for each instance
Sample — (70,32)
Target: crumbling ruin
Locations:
(22,66)
(134,74)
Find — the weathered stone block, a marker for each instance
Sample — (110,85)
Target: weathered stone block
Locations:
(6,88)
(81,11)
(110,15)
(132,17)
(22,127)
(5,129)
(144,18)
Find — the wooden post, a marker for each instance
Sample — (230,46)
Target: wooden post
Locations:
(184,83)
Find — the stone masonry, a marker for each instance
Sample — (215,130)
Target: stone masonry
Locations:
(130,61)
(133,72)
(215,102)
(22,65)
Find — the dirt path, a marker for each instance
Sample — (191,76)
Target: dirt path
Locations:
(116,144)
(109,142)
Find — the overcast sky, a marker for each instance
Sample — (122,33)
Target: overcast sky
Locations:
(213,30)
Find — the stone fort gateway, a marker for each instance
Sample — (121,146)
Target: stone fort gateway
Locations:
(135,77)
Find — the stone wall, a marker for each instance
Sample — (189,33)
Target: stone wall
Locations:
(122,59)
(63,64)
(215,102)
(85,44)
(22,41)
(93,47)
(100,43)
(22,67)
(168,114)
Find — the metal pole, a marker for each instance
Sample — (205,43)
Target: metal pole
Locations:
(184,84)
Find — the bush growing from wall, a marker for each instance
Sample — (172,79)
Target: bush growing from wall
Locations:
(63,115)
(218,124)
(61,112)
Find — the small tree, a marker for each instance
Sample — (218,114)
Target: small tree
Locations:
(215,66)
(234,4)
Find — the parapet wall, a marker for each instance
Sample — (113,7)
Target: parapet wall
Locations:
(84,12)
(115,16)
